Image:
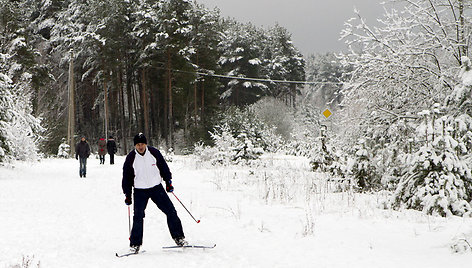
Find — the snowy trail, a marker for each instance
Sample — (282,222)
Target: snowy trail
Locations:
(48,212)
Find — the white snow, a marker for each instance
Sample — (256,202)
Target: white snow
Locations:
(16,44)
(52,217)
(466,74)
(255,61)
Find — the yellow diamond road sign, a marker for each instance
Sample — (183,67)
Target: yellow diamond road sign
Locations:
(327,113)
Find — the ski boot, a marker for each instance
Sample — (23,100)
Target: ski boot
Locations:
(134,249)
(180,241)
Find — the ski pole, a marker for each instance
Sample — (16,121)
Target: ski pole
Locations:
(186,209)
(129,223)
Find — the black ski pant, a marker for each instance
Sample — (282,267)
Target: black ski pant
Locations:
(159,196)
(112,159)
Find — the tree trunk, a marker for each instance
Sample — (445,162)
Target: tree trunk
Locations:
(71,117)
(170,113)
(187,119)
(105,85)
(462,40)
(152,108)
(129,95)
(122,109)
(165,120)
(144,101)
(293,95)
(195,96)
(155,112)
(203,104)
(135,110)
(113,103)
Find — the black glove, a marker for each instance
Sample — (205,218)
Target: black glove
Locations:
(128,200)
(169,187)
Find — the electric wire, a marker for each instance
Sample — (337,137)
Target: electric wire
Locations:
(212,74)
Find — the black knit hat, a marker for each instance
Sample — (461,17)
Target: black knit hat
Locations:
(140,138)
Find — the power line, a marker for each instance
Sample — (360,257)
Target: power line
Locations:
(265,80)
(211,74)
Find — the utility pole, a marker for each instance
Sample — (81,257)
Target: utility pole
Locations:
(71,117)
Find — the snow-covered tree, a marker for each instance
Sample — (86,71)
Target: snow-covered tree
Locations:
(361,168)
(438,180)
(19,129)
(403,66)
(282,61)
(225,145)
(275,113)
(326,69)
(63,150)
(245,149)
(240,49)
(134,59)
(245,124)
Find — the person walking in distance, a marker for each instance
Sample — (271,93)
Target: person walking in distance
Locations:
(82,152)
(144,169)
(102,150)
(111,148)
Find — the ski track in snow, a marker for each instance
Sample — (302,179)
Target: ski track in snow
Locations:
(52,217)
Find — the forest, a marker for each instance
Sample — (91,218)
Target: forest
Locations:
(196,82)
(165,68)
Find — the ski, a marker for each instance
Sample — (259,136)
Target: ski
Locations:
(189,246)
(129,254)
(169,247)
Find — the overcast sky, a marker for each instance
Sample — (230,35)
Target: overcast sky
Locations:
(315,24)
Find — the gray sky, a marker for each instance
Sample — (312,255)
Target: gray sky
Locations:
(315,24)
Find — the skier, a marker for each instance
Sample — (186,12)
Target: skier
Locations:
(82,151)
(102,150)
(144,169)
(111,147)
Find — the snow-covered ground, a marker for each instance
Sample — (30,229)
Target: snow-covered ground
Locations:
(50,216)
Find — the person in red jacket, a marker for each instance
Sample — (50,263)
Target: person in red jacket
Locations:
(102,150)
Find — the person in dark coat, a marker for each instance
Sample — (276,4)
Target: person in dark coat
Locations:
(82,152)
(111,147)
(144,170)
(102,150)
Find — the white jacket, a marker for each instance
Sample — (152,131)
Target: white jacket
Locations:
(146,171)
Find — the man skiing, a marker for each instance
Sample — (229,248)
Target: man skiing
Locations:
(144,169)
(82,152)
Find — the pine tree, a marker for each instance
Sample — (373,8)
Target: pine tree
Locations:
(438,178)
(283,61)
(241,49)
(361,168)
